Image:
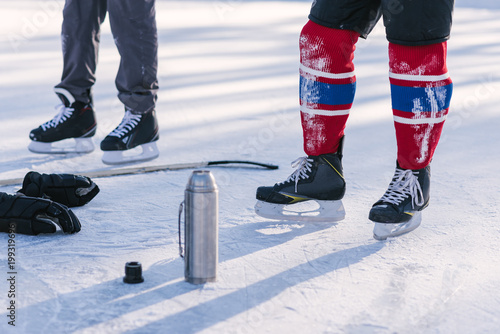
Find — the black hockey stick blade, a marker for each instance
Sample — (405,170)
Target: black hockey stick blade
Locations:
(149,169)
(224,162)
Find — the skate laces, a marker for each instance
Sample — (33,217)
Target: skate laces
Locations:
(303,167)
(405,183)
(128,122)
(63,114)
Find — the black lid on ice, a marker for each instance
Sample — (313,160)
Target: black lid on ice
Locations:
(133,273)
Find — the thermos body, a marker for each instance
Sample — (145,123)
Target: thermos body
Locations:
(201,230)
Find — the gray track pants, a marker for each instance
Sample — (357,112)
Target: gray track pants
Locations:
(133,24)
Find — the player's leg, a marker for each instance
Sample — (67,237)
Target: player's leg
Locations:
(421,90)
(72,128)
(133,24)
(327,87)
(80,45)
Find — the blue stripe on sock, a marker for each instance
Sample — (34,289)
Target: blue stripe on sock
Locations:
(322,93)
(418,99)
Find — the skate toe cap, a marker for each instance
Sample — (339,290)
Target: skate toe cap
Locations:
(263,193)
(35,134)
(388,214)
(270,195)
(112,145)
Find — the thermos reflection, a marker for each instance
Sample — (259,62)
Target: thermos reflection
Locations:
(201,210)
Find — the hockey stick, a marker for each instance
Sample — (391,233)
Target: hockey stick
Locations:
(150,169)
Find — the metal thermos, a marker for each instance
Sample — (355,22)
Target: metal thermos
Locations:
(201,230)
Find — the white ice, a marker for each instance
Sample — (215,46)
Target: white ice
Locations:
(229,90)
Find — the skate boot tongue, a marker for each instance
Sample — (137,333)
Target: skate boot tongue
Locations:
(66,97)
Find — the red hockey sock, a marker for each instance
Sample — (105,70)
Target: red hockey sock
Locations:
(421,91)
(327,85)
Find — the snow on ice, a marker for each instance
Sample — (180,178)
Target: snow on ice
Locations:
(229,90)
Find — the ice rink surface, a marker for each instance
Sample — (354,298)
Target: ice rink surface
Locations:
(229,90)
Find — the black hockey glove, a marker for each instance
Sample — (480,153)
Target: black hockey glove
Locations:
(68,189)
(30,215)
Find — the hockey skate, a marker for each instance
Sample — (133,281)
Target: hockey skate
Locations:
(134,140)
(399,210)
(312,193)
(70,131)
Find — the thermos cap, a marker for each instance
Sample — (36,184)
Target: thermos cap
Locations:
(133,273)
(201,181)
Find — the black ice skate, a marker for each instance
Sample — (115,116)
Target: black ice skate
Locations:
(70,131)
(399,210)
(135,131)
(317,179)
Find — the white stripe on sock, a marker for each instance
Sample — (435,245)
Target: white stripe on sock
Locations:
(326,74)
(419,120)
(410,77)
(323,112)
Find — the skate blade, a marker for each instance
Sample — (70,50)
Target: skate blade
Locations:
(382,231)
(140,153)
(65,146)
(308,211)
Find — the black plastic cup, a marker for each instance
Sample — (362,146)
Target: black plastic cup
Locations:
(133,273)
